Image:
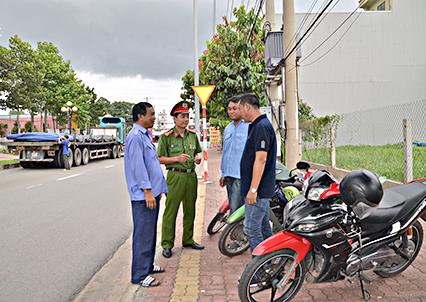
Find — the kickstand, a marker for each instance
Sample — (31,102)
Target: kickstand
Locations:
(365,293)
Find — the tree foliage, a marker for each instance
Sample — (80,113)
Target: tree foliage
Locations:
(233,61)
(41,82)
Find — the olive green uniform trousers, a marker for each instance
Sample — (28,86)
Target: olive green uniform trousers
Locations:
(182,187)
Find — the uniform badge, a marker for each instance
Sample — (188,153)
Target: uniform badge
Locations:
(262,145)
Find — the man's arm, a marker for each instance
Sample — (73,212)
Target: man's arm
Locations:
(258,168)
(164,160)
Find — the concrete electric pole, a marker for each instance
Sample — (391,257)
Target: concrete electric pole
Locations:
(289,74)
(273,86)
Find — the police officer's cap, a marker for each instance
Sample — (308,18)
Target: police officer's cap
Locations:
(182,106)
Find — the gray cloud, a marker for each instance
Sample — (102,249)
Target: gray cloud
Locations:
(153,39)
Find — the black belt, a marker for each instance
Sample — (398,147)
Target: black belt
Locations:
(181,170)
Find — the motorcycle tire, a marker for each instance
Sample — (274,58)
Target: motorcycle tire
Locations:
(233,241)
(218,222)
(260,277)
(416,239)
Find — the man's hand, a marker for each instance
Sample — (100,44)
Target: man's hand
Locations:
(197,159)
(150,200)
(222,182)
(251,197)
(183,158)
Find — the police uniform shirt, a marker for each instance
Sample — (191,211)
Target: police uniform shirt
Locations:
(172,144)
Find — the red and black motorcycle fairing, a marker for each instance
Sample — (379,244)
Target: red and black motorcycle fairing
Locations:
(338,242)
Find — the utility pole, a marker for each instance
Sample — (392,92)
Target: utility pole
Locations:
(273,86)
(196,83)
(214,17)
(289,73)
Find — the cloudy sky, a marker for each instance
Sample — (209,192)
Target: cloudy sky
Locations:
(128,50)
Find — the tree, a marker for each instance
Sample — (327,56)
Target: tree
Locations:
(20,77)
(97,109)
(122,109)
(60,85)
(3,128)
(234,62)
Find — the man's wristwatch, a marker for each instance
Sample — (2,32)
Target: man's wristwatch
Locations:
(253,190)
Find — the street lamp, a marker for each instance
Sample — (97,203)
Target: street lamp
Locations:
(69,112)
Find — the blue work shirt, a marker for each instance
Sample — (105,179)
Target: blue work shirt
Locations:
(141,165)
(65,148)
(234,140)
(261,137)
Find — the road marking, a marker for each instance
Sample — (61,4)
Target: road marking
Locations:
(30,187)
(70,176)
(110,166)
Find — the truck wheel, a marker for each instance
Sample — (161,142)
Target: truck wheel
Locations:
(77,157)
(71,158)
(85,156)
(114,152)
(58,161)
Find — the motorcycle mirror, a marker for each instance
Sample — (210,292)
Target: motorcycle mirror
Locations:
(303,165)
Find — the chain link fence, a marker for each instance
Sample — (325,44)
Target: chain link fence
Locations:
(374,140)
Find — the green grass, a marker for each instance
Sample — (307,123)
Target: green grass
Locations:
(385,160)
(9,161)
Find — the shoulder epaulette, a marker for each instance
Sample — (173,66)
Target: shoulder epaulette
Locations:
(168,132)
(192,131)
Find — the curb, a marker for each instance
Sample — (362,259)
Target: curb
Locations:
(10,166)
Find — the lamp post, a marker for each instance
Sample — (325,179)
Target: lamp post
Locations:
(69,112)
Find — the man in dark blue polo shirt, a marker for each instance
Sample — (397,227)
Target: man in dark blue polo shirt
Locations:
(257,170)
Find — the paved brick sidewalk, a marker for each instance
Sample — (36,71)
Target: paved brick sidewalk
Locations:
(210,276)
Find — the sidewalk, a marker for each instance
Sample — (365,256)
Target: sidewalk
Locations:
(7,157)
(209,276)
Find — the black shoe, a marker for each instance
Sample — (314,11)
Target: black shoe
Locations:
(167,253)
(195,246)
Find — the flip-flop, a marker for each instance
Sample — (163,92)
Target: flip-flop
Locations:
(157,269)
(147,282)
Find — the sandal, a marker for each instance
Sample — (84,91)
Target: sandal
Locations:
(148,282)
(157,269)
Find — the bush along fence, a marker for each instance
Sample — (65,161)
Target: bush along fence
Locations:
(390,141)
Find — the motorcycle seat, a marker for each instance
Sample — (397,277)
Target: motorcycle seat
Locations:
(396,203)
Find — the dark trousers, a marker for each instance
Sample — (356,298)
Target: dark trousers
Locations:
(66,161)
(144,239)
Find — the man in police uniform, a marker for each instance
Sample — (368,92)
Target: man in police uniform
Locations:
(178,149)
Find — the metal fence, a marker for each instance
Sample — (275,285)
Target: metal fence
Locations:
(374,140)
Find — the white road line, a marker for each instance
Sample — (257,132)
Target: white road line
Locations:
(30,187)
(109,166)
(70,176)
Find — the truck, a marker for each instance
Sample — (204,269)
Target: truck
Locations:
(36,149)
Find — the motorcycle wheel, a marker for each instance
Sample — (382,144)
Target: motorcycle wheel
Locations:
(233,241)
(415,241)
(261,276)
(217,222)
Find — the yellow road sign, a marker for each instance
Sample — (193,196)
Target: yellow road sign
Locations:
(204,92)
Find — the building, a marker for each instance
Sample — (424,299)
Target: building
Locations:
(24,118)
(378,5)
(376,58)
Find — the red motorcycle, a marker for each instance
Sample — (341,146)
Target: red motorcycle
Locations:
(371,230)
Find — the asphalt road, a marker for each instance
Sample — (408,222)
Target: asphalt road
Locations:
(57,229)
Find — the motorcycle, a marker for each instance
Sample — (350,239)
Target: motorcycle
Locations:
(219,221)
(372,230)
(288,185)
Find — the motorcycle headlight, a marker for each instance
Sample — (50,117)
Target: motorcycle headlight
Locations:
(306,227)
(315,193)
(278,171)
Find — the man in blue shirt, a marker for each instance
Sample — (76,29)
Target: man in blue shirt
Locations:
(65,152)
(234,140)
(257,170)
(145,183)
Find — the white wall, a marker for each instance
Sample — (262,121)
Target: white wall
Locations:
(380,61)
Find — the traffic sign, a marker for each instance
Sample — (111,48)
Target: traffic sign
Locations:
(204,92)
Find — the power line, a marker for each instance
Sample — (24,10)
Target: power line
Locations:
(330,37)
